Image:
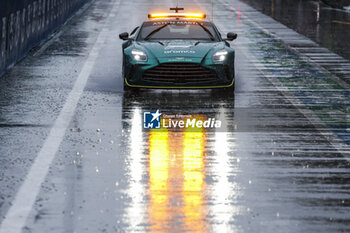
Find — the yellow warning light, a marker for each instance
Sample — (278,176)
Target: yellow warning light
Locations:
(177,15)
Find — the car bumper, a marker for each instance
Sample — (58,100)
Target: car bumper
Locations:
(218,76)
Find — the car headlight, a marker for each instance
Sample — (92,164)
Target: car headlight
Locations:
(139,55)
(220,56)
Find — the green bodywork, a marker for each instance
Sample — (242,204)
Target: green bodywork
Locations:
(178,51)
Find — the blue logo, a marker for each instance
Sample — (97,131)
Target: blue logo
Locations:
(151,120)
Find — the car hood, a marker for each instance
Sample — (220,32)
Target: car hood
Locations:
(180,49)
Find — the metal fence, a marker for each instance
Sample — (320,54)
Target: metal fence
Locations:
(24,23)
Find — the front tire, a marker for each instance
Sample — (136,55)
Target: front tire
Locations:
(126,87)
(225,92)
(131,90)
(230,90)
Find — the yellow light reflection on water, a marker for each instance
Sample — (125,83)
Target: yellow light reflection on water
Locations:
(176,185)
(158,174)
(194,186)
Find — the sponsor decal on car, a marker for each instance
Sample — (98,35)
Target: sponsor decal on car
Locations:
(179,52)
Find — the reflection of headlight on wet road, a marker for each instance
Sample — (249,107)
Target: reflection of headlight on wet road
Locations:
(139,55)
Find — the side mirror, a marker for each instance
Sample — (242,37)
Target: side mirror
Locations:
(231,36)
(124,36)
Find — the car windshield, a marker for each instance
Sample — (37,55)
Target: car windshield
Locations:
(177,30)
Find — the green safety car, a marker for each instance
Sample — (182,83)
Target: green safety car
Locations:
(178,50)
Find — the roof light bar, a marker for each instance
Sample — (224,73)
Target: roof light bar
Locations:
(177,15)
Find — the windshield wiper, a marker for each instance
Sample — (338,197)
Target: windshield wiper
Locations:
(207,30)
(155,31)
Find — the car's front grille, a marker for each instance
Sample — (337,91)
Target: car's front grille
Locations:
(180,73)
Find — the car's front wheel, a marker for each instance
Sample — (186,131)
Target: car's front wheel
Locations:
(230,90)
(126,87)
(130,89)
(226,91)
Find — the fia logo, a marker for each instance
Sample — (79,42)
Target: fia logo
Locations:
(151,120)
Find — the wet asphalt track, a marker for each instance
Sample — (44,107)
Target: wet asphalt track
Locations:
(281,163)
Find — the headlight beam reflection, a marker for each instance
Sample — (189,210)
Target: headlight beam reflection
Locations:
(136,190)
(223,191)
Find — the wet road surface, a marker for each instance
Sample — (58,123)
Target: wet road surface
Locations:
(327,26)
(74,156)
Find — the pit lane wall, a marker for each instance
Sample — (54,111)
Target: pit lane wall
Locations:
(25,23)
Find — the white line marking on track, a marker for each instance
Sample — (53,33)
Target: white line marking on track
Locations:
(22,205)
